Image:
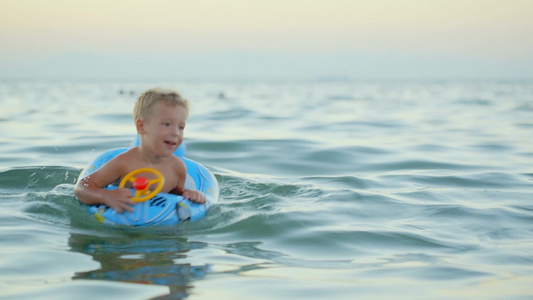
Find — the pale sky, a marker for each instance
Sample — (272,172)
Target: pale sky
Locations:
(266,38)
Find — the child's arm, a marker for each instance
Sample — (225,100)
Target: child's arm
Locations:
(90,191)
(194,196)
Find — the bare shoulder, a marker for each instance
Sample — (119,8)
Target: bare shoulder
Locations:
(112,170)
(178,164)
(122,160)
(177,167)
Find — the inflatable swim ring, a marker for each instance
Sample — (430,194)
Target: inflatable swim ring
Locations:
(163,208)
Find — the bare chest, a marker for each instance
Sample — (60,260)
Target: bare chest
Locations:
(170,176)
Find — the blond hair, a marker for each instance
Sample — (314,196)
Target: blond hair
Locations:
(147,100)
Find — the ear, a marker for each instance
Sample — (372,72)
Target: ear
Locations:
(140,126)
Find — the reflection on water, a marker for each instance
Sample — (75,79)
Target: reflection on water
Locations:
(140,260)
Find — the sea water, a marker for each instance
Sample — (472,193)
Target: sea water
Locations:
(329,190)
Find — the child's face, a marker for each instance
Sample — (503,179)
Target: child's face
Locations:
(163,131)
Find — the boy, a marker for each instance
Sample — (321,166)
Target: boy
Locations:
(160,117)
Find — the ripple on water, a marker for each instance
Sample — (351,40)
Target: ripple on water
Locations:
(386,190)
(35,179)
(487,180)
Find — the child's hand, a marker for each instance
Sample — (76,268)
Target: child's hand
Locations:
(194,196)
(120,200)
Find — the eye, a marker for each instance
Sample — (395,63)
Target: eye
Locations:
(166,124)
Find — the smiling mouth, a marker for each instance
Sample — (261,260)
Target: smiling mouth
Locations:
(170,143)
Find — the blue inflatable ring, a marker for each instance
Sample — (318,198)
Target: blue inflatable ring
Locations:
(163,209)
